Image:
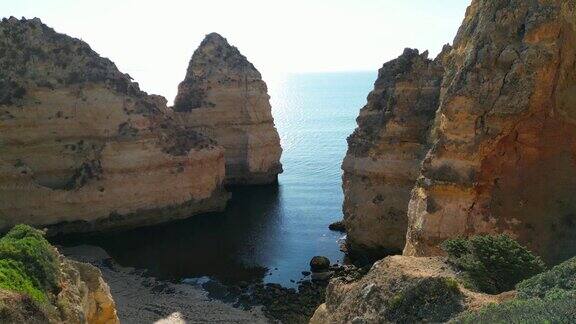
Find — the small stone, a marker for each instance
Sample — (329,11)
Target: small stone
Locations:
(306,273)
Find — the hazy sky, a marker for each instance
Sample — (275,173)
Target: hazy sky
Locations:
(153,40)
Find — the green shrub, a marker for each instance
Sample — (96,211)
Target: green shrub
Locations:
(560,278)
(29,263)
(427,300)
(13,277)
(549,297)
(561,309)
(492,263)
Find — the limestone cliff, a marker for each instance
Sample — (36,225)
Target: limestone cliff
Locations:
(385,153)
(505,145)
(83,148)
(223,96)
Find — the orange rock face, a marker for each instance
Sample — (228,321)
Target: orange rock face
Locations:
(224,97)
(83,149)
(505,147)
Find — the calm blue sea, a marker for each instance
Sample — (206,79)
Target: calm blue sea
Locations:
(267,233)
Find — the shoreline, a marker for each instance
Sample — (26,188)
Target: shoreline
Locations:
(141,299)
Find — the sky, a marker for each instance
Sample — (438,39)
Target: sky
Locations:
(153,40)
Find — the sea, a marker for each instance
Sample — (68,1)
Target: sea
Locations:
(267,233)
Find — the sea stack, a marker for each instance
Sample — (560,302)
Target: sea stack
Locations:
(82,148)
(385,153)
(505,141)
(224,97)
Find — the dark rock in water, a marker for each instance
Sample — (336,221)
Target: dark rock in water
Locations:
(319,264)
(306,273)
(338,226)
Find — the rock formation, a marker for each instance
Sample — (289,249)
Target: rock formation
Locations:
(385,153)
(39,285)
(505,141)
(81,146)
(400,289)
(85,298)
(223,96)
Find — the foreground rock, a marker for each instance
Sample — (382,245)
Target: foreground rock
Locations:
(39,285)
(401,290)
(505,137)
(385,153)
(85,299)
(83,149)
(223,96)
(143,299)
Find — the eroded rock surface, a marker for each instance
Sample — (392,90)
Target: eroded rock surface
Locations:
(85,296)
(83,147)
(400,289)
(503,158)
(385,153)
(223,96)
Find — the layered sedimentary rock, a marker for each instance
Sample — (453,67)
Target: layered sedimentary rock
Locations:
(385,153)
(223,96)
(505,150)
(400,289)
(81,146)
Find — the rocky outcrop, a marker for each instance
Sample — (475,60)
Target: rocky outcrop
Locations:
(400,289)
(84,298)
(505,141)
(83,148)
(385,153)
(40,285)
(223,96)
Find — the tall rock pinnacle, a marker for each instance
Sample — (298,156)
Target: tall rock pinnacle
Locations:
(223,96)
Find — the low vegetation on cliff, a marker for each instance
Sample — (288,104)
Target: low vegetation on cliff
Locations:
(492,264)
(38,285)
(561,278)
(549,297)
(28,263)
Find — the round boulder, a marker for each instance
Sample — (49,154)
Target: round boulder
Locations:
(319,264)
